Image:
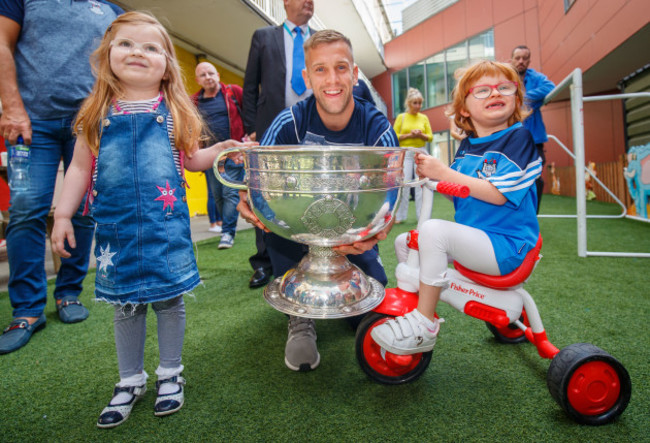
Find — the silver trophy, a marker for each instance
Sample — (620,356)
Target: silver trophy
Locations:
(322,196)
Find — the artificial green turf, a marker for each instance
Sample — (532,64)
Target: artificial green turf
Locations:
(238,388)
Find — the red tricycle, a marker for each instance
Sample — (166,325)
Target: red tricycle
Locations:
(589,384)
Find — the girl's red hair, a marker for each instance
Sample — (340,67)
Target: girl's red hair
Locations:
(467,77)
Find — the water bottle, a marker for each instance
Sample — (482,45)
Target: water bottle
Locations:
(19,165)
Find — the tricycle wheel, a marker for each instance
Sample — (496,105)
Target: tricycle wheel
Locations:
(382,366)
(510,334)
(589,384)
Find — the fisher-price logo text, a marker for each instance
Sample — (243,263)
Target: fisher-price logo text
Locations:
(470,292)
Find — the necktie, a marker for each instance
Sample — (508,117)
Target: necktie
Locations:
(297,82)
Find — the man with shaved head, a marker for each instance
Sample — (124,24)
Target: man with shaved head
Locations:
(220,107)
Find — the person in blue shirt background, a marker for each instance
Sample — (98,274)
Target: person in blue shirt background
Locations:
(537,87)
(361,90)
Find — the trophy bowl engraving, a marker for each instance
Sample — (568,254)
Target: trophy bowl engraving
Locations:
(323,196)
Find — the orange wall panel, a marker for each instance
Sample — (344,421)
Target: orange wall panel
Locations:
(382,83)
(546,10)
(475,13)
(559,41)
(433,37)
(531,38)
(506,9)
(604,131)
(437,118)
(587,33)
(556,117)
(511,31)
(454,24)
(417,44)
(607,117)
(530,4)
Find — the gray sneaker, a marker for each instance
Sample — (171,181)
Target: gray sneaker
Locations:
(300,353)
(226,241)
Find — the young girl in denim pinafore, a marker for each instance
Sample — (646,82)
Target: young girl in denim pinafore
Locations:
(137,130)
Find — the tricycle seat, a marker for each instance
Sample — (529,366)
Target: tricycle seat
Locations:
(510,280)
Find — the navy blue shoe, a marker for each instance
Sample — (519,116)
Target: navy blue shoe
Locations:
(18,333)
(71,310)
(169,403)
(115,415)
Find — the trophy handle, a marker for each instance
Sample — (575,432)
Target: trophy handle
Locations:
(223,180)
(416,181)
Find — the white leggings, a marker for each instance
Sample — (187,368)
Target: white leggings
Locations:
(443,241)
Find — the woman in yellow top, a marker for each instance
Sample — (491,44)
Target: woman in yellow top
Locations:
(414,131)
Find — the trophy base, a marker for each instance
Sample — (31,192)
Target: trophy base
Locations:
(324,285)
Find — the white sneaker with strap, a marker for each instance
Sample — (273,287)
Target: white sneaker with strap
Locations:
(410,334)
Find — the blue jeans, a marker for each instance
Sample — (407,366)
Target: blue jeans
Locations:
(213,213)
(226,197)
(51,141)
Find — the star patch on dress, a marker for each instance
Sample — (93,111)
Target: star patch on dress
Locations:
(105,259)
(166,196)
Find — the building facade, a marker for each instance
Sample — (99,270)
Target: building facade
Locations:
(606,39)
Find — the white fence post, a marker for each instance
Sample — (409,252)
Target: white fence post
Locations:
(578,128)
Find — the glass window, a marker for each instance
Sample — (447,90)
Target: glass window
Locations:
(436,90)
(434,77)
(481,47)
(400,86)
(456,57)
(416,80)
(444,146)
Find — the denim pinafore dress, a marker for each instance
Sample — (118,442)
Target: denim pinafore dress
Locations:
(143,239)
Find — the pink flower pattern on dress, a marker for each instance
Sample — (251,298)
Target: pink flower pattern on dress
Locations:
(166,196)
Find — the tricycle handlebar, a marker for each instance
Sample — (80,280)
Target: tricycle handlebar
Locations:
(449,188)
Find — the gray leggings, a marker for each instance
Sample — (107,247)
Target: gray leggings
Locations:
(130,325)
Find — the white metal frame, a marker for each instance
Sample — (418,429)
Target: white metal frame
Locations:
(574,81)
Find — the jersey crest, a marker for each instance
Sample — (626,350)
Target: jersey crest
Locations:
(488,169)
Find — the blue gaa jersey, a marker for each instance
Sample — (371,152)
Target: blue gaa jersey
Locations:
(508,159)
(301,125)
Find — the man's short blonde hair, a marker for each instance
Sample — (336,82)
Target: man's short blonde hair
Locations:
(327,36)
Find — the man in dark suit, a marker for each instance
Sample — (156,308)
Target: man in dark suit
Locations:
(268,90)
